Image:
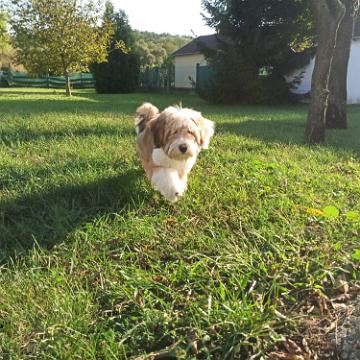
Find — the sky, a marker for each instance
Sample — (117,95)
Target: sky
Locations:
(177,17)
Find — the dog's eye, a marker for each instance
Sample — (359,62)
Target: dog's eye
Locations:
(193,135)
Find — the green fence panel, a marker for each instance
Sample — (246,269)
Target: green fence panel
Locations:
(20,79)
(204,75)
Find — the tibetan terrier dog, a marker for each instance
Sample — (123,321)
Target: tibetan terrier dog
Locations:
(169,143)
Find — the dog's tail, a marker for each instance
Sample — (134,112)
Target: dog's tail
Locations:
(144,114)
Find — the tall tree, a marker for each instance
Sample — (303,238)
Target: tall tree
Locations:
(7,53)
(336,113)
(260,39)
(4,35)
(120,73)
(59,36)
(334,27)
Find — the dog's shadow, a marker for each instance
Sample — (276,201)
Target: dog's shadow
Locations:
(48,217)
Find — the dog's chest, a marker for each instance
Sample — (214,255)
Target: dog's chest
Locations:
(161,159)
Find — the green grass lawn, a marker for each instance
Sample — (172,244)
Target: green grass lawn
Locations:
(95,265)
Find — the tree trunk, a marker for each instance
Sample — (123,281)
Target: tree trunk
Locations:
(67,83)
(329,14)
(336,114)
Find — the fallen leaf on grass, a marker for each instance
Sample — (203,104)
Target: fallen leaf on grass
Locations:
(292,351)
(342,284)
(314,212)
(193,341)
(138,299)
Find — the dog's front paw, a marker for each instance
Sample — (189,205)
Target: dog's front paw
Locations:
(173,197)
(172,191)
(168,183)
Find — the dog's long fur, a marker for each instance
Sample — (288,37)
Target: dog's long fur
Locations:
(169,143)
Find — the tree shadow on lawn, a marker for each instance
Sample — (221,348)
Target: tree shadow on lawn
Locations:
(48,217)
(291,132)
(76,105)
(283,131)
(34,102)
(24,134)
(29,103)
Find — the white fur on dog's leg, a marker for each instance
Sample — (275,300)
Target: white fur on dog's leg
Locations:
(168,183)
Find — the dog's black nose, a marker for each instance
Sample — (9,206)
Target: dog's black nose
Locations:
(183,148)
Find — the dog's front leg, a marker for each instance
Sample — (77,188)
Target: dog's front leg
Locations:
(168,182)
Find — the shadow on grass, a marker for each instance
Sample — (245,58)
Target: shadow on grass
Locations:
(284,131)
(292,132)
(87,102)
(30,103)
(24,134)
(48,217)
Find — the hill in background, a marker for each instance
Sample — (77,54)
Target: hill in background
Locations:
(155,48)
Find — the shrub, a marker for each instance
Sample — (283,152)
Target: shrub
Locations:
(235,81)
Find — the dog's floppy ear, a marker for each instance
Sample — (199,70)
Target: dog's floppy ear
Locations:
(158,130)
(207,130)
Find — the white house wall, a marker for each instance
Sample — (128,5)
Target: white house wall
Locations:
(185,66)
(306,73)
(353,80)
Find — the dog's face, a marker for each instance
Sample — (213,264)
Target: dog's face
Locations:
(182,133)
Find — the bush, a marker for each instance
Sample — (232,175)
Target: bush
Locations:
(235,81)
(119,75)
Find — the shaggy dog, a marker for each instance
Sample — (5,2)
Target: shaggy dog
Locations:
(169,143)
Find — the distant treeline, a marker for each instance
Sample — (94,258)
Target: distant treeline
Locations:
(154,49)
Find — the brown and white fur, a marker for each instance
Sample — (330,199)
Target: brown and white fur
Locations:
(169,143)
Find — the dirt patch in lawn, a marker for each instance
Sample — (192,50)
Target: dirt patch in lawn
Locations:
(330,328)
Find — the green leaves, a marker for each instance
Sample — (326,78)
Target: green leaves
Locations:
(352,216)
(331,212)
(356,255)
